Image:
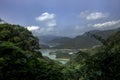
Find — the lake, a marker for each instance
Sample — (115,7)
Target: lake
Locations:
(46,52)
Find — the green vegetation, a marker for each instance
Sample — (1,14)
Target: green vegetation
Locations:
(103,65)
(19,36)
(63,54)
(21,60)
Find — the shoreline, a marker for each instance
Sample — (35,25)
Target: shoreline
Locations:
(62,59)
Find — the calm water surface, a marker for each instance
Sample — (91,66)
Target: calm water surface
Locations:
(45,52)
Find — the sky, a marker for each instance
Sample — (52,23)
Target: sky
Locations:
(61,17)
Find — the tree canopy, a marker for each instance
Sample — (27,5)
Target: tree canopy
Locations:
(19,36)
(20,58)
(103,65)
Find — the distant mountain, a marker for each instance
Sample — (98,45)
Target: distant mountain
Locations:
(48,40)
(81,41)
(42,46)
(85,40)
(60,40)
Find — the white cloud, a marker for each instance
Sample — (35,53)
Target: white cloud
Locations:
(2,22)
(45,31)
(40,31)
(77,27)
(51,23)
(93,15)
(32,28)
(48,19)
(106,24)
(45,17)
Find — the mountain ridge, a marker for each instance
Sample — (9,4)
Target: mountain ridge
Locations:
(81,41)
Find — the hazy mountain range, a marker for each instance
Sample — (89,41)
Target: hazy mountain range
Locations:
(79,42)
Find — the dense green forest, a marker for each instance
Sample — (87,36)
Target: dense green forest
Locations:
(20,59)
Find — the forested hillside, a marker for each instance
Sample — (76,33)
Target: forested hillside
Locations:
(103,65)
(20,59)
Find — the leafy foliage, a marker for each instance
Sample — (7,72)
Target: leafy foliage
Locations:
(16,64)
(19,59)
(104,65)
(19,36)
